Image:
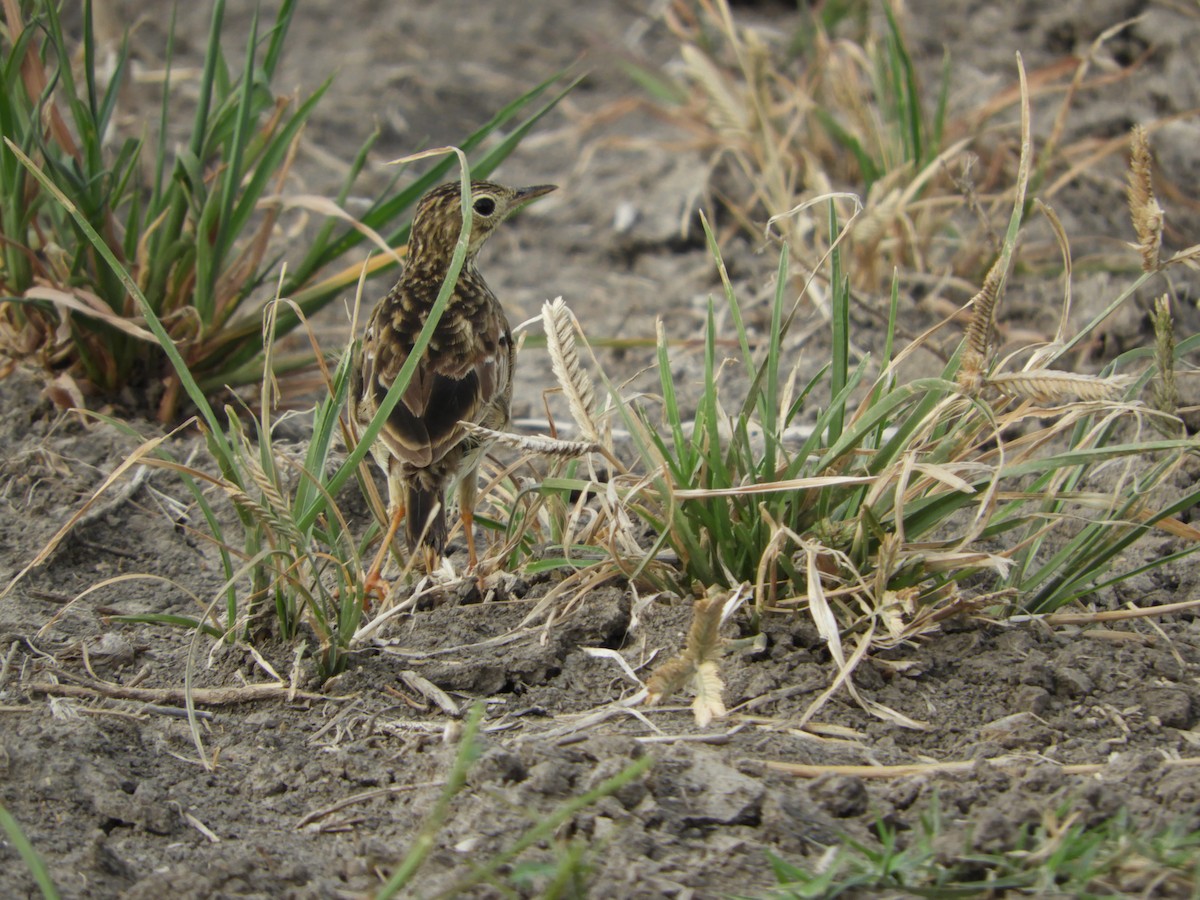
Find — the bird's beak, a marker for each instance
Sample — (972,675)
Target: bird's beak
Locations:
(529,194)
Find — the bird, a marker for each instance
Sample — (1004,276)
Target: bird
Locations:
(464,375)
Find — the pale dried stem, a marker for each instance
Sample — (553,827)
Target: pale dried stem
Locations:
(250,693)
(803,770)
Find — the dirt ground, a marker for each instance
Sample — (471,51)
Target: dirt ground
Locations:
(318,795)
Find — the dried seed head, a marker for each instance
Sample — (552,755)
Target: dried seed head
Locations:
(531,443)
(1054,386)
(573,378)
(726,113)
(979,330)
(1143,205)
(1165,391)
(697,664)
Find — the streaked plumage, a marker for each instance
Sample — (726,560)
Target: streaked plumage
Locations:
(465,374)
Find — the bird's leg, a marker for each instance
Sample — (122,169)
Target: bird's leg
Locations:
(467,489)
(373,584)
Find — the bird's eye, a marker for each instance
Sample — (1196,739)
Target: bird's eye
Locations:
(485,206)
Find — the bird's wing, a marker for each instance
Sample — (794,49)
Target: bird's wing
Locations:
(456,381)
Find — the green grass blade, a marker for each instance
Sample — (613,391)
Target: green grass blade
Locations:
(869,170)
(186,622)
(157,186)
(840,369)
(491,160)
(468,751)
(37,868)
(543,829)
(208,273)
(1093,455)
(905,90)
(681,459)
(278,35)
(735,309)
(325,422)
(172,229)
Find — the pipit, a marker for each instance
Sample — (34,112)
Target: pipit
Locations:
(465,374)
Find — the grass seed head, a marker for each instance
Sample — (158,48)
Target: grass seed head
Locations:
(1143,205)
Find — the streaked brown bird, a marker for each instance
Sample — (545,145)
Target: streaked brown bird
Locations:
(465,374)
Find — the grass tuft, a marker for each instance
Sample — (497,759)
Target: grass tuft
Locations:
(199,231)
(1060,856)
(879,506)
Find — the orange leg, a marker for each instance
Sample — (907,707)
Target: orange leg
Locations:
(373,584)
(466,509)
(468,520)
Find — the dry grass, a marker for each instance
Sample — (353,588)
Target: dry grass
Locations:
(839,106)
(1003,485)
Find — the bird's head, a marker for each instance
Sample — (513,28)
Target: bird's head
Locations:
(438,220)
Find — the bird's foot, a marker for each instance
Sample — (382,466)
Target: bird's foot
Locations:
(373,582)
(375,585)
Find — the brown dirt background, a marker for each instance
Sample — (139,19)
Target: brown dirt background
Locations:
(110,794)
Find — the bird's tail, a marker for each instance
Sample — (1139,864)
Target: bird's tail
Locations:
(425,519)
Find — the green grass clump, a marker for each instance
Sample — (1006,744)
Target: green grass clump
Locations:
(1060,857)
(897,493)
(881,506)
(197,230)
